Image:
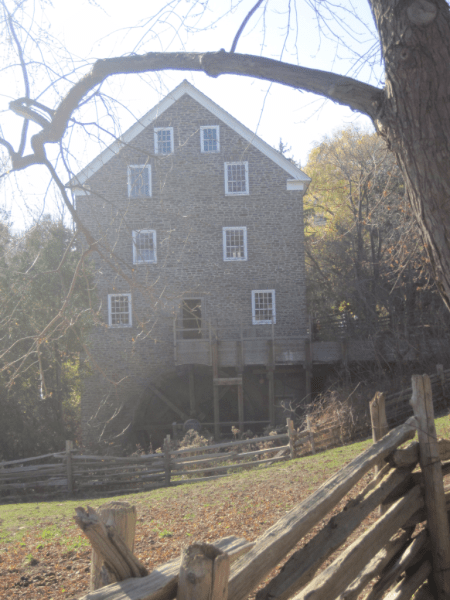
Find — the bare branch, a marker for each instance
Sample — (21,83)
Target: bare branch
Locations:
(243,24)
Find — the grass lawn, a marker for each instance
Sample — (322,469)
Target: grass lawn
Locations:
(44,555)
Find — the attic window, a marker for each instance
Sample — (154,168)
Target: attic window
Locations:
(163,140)
(234,243)
(119,310)
(139,181)
(144,246)
(263,307)
(209,139)
(236,178)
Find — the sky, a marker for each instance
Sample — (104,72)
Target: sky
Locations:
(90,30)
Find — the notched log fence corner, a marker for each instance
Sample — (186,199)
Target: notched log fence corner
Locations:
(119,561)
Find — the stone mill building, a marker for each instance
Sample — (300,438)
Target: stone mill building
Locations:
(202,296)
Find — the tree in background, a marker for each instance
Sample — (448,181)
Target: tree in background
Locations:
(44,315)
(363,252)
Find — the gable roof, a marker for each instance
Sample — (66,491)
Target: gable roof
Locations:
(186,88)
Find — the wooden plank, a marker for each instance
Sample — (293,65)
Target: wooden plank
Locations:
(422,403)
(279,539)
(227,381)
(162,583)
(375,566)
(333,580)
(303,564)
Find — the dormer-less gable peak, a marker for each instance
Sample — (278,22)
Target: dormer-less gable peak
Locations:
(299,179)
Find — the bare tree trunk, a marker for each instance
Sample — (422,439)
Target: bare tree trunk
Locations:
(415,115)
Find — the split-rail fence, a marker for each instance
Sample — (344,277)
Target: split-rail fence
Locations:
(406,550)
(72,473)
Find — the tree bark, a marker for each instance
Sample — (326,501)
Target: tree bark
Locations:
(415,115)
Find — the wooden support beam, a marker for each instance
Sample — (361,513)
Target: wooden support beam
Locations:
(166,448)
(422,403)
(216,413)
(192,401)
(291,433)
(270,379)
(166,400)
(241,407)
(215,370)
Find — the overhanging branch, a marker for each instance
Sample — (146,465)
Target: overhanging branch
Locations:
(349,92)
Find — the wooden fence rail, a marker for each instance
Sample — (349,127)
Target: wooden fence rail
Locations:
(395,550)
(68,473)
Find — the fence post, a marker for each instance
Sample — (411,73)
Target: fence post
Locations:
(422,403)
(379,422)
(204,573)
(167,460)
(311,434)
(291,433)
(69,466)
(122,515)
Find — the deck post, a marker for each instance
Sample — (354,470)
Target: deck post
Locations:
(422,403)
(215,368)
(241,407)
(270,378)
(166,448)
(192,402)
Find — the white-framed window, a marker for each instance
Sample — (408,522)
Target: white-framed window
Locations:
(210,138)
(236,178)
(163,140)
(263,307)
(119,310)
(234,243)
(144,246)
(139,181)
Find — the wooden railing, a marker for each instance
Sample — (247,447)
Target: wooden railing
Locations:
(395,549)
